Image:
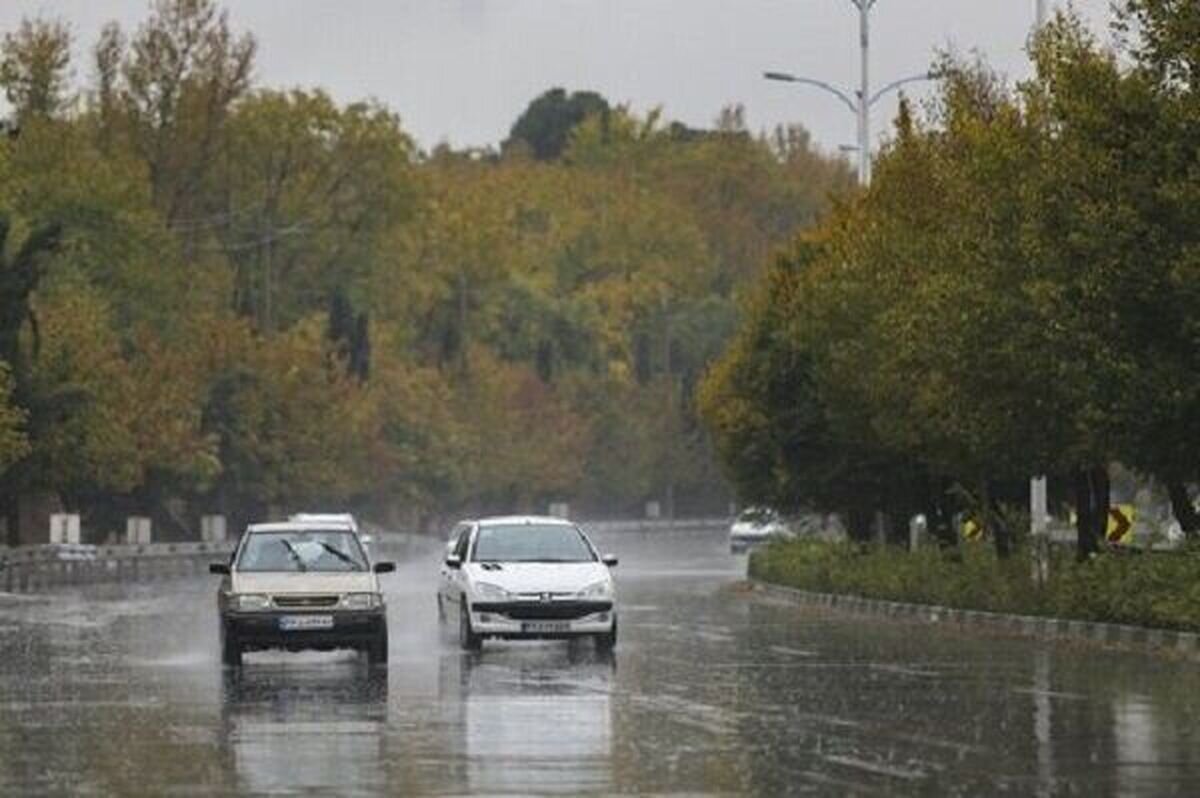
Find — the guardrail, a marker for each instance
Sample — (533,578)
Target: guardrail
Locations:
(658,525)
(34,568)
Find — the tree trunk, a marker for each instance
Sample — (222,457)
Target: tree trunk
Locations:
(1085,544)
(1182,507)
(1001,534)
(1091,509)
(858,525)
(1102,491)
(939,515)
(10,512)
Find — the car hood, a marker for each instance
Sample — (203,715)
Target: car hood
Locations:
(277,583)
(537,577)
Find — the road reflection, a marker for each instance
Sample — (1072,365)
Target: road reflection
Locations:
(299,727)
(534,717)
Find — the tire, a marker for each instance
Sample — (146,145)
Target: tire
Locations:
(377,651)
(607,641)
(467,639)
(231,651)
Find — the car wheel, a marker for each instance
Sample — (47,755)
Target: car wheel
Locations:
(231,651)
(377,650)
(607,641)
(466,637)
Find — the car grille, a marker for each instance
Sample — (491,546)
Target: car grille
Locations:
(306,602)
(544,610)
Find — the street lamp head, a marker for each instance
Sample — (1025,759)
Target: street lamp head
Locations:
(784,76)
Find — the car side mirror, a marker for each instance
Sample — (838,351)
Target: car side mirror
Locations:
(384,567)
(218,568)
(453,562)
(610,560)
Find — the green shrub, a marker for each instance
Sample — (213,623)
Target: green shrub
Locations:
(1149,589)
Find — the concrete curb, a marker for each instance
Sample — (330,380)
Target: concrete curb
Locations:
(1185,644)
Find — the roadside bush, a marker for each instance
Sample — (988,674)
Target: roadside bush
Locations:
(1155,589)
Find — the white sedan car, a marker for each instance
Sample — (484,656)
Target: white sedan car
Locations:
(527,577)
(754,526)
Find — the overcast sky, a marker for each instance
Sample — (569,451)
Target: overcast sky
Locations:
(462,70)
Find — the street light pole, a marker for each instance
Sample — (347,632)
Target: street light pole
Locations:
(863,100)
(1039,516)
(864,92)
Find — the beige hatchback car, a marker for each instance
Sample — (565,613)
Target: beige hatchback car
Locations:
(301,585)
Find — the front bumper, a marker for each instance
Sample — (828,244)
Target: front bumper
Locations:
(260,630)
(743,542)
(542,619)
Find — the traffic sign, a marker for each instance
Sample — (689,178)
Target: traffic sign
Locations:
(972,530)
(1119,531)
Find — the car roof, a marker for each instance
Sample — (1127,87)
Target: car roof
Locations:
(299,526)
(514,520)
(326,518)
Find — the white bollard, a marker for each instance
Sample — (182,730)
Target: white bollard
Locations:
(137,530)
(64,528)
(212,528)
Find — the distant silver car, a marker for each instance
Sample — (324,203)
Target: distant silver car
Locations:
(754,526)
(301,585)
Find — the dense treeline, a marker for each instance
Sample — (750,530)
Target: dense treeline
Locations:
(218,296)
(1017,293)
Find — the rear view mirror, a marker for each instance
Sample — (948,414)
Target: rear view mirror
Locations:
(384,567)
(453,562)
(610,560)
(218,568)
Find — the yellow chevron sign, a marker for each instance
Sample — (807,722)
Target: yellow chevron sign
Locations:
(1119,530)
(972,530)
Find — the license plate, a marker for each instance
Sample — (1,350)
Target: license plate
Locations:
(296,623)
(544,627)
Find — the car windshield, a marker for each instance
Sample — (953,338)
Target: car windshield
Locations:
(300,551)
(757,515)
(531,543)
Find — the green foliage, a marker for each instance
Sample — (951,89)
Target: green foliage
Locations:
(1013,295)
(13,443)
(220,296)
(546,125)
(1156,590)
(34,61)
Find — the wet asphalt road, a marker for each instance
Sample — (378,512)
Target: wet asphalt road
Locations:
(118,691)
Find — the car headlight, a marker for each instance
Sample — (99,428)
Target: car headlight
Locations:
(486,590)
(597,590)
(361,601)
(251,602)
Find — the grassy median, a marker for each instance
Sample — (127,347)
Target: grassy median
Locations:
(1160,590)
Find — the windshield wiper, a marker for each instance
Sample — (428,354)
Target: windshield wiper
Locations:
(340,555)
(295,554)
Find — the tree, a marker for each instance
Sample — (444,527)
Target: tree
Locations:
(171,96)
(545,126)
(13,443)
(34,68)
(311,189)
